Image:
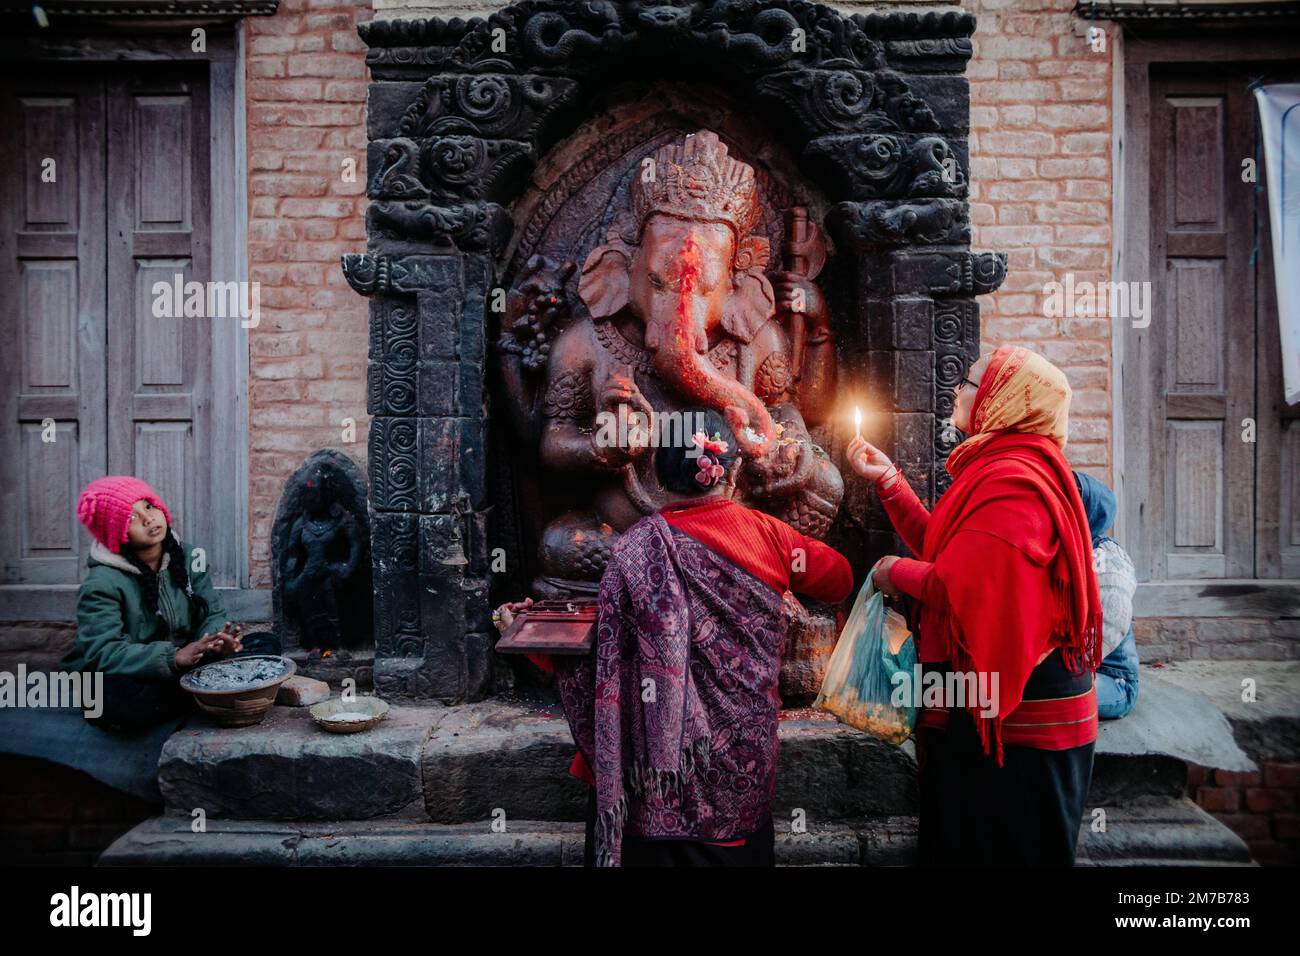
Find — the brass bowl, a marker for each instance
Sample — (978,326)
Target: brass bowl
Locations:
(327,712)
(242,706)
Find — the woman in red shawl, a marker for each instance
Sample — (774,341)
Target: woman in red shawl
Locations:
(1006,592)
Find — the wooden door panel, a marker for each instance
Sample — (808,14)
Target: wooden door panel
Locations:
(1196,326)
(50,132)
(1194,519)
(1196,193)
(159,340)
(159,225)
(1201,386)
(52,299)
(51,476)
(48,321)
(165,450)
(164,132)
(1211,458)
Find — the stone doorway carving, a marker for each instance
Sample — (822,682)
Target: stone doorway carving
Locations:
(874,111)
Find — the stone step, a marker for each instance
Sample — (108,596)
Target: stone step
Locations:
(460,764)
(169,841)
(1157,832)
(1147,752)
(487,756)
(287,768)
(1267,722)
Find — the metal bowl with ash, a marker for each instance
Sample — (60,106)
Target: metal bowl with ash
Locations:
(341,716)
(239,691)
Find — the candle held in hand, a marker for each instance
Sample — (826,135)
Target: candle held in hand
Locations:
(857,421)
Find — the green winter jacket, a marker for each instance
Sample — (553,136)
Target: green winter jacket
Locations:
(116,635)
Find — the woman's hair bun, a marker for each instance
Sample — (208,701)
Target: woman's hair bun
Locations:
(699,455)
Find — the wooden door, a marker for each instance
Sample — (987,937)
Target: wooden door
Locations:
(1200,497)
(158,232)
(127,392)
(53,304)
(1212,452)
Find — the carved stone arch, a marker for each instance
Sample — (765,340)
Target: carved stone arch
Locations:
(506,88)
(461,117)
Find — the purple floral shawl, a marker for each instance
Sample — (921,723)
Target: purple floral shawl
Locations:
(676,709)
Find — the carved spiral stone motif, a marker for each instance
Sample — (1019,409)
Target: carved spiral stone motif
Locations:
(456,160)
(845,96)
(879,157)
(485,99)
(949,370)
(947,327)
(402,471)
(399,397)
(401,322)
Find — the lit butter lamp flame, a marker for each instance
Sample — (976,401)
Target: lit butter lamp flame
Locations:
(857,421)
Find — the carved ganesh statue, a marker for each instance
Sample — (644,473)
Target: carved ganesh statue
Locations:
(677,310)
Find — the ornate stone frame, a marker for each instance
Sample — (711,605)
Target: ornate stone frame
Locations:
(460,112)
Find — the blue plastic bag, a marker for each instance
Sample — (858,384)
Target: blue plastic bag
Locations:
(859,681)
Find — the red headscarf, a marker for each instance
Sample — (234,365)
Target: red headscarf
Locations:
(1033,589)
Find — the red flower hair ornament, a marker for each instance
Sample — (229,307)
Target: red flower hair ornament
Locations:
(711,471)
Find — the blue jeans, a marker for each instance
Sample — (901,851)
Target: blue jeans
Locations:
(1117,680)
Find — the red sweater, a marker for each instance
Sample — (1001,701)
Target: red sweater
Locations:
(1055,724)
(765,546)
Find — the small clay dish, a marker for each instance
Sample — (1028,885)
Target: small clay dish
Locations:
(232,702)
(341,716)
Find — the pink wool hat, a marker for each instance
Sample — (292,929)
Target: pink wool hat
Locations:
(106,504)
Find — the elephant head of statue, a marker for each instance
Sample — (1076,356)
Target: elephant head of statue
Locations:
(684,260)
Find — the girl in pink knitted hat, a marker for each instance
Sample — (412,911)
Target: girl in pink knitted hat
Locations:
(145,615)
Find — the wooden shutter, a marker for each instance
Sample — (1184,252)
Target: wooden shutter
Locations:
(159,389)
(52,299)
(1198,516)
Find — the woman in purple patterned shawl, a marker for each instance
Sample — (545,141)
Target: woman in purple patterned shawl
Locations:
(675,713)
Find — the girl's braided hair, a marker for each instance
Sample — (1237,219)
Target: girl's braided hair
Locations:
(177,569)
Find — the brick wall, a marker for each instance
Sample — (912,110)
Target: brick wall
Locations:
(1041,192)
(306,92)
(1259,807)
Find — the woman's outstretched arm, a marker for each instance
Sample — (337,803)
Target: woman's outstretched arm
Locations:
(904,508)
(906,512)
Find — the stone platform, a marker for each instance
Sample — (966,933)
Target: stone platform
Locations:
(427,785)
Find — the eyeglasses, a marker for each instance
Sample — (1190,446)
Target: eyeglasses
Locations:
(966,381)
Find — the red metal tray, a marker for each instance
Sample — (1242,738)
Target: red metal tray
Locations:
(552,627)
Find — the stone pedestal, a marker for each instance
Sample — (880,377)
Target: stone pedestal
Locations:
(812,637)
